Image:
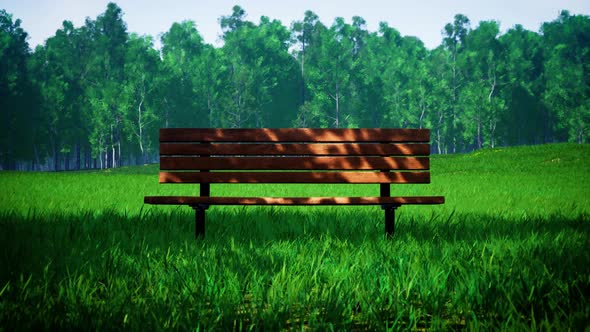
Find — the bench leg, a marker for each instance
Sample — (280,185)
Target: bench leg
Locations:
(390,219)
(200,220)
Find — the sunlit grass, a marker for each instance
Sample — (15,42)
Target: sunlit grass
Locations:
(508,250)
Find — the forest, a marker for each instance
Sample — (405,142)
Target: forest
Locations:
(95,96)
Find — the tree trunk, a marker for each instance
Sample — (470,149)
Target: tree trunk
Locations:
(338,111)
(166,113)
(88,158)
(492,133)
(140,128)
(438,134)
(303,73)
(113,162)
(492,113)
(479,140)
(55,157)
(78,155)
(37,164)
(438,141)
(454,101)
(337,99)
(422,115)
(210,109)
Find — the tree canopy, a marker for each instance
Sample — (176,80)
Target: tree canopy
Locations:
(95,95)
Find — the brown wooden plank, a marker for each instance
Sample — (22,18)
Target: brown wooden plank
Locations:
(322,149)
(192,200)
(295,177)
(293,135)
(294,163)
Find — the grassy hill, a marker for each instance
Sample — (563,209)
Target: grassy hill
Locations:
(509,249)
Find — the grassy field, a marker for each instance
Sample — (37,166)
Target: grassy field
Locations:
(509,250)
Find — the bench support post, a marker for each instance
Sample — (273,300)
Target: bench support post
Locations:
(200,220)
(390,219)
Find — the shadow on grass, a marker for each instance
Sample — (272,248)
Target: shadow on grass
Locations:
(25,239)
(259,225)
(88,260)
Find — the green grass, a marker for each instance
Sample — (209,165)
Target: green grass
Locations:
(508,250)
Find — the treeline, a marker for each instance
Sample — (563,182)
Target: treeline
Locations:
(95,96)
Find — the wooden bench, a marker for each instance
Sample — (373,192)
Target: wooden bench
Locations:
(312,156)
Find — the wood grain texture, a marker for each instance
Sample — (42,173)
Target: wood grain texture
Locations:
(192,200)
(371,156)
(294,163)
(302,149)
(294,135)
(295,177)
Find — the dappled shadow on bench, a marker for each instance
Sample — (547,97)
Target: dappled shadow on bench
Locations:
(313,151)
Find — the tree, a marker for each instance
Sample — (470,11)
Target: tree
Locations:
(482,107)
(262,74)
(567,68)
(406,83)
(328,74)
(109,39)
(182,48)
(235,21)
(248,80)
(211,81)
(59,67)
(142,84)
(273,43)
(439,70)
(18,109)
(370,80)
(526,120)
(454,40)
(303,32)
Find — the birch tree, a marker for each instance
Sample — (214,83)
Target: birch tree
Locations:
(142,83)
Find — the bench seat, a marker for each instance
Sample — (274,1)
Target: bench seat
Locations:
(197,200)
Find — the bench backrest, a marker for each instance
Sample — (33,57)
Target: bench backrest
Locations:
(294,155)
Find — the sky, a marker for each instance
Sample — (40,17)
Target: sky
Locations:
(424,19)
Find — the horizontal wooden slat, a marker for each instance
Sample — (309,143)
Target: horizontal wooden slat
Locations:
(294,163)
(294,177)
(191,200)
(293,135)
(375,149)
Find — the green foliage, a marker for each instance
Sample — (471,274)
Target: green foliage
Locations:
(507,251)
(262,75)
(100,91)
(183,101)
(18,98)
(566,73)
(142,84)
